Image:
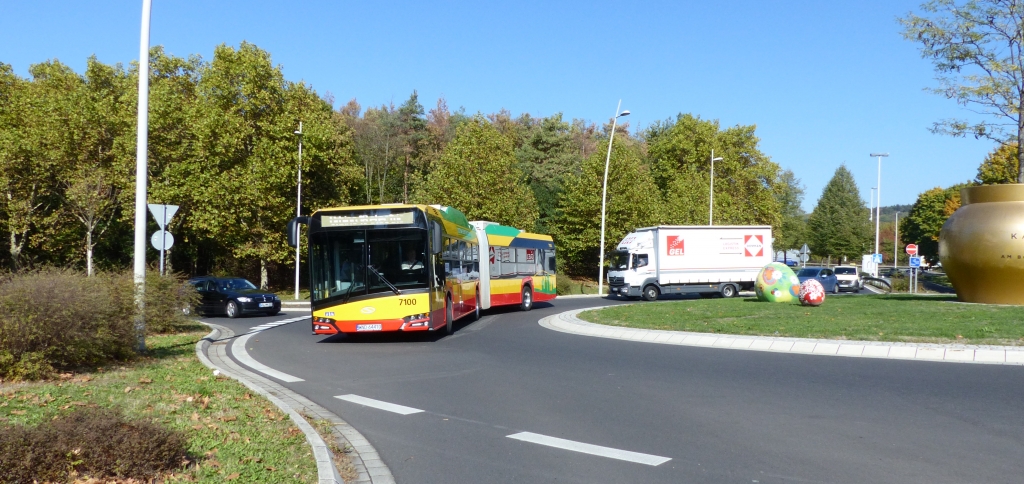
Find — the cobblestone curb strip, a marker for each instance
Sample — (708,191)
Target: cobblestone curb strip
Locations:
(568,322)
(212,351)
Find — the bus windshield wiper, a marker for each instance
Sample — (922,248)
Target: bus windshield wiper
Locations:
(384,280)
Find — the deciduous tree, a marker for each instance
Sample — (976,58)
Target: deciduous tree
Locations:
(977,48)
(478,174)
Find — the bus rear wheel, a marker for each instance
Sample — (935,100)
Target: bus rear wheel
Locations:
(527,301)
(476,312)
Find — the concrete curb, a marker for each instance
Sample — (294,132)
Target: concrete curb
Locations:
(212,351)
(568,322)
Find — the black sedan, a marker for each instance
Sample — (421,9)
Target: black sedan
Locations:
(233,296)
(823,275)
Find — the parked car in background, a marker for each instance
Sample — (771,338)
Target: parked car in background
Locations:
(233,297)
(849,278)
(824,275)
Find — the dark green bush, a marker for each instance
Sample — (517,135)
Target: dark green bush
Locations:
(91,442)
(56,319)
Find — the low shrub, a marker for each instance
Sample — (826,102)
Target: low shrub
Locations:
(91,442)
(57,319)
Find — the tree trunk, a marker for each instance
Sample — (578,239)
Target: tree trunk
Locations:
(405,181)
(1020,140)
(88,253)
(263,274)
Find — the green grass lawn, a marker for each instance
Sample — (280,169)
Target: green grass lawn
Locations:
(233,435)
(930,319)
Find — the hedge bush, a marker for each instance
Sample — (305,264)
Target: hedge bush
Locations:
(91,442)
(55,319)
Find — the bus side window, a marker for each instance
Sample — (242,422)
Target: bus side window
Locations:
(551,261)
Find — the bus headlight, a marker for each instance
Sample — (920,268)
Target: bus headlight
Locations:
(416,320)
(325,324)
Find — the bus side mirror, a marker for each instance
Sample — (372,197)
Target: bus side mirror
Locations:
(293,230)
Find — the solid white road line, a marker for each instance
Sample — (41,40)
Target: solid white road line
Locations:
(651,460)
(369,402)
(238,350)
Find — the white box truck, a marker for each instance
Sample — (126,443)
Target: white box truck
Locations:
(676,259)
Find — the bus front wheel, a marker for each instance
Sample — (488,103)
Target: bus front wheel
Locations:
(527,301)
(449,327)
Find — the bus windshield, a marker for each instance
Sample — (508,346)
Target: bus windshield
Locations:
(342,261)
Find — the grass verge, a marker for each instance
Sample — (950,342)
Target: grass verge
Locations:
(232,435)
(926,319)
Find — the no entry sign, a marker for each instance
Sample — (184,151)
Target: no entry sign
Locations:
(912,249)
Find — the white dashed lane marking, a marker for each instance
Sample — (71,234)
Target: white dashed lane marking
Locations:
(369,402)
(275,324)
(647,459)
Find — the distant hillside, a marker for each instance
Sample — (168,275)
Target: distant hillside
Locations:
(889,213)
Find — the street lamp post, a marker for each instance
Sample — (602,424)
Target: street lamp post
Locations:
(141,172)
(298,212)
(896,241)
(604,197)
(711,197)
(878,200)
(871,207)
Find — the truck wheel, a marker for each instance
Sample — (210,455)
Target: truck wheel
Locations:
(728,290)
(651,292)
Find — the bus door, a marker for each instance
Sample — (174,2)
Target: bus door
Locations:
(438,276)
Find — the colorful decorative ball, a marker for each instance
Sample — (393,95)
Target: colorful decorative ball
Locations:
(812,293)
(777,283)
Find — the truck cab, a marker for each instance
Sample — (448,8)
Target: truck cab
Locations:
(632,265)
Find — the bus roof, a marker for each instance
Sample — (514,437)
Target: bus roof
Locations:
(505,236)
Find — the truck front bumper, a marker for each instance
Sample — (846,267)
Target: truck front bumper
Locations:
(625,291)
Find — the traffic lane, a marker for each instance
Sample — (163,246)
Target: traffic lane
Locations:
(724,413)
(735,413)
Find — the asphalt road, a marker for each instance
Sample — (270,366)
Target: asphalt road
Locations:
(719,415)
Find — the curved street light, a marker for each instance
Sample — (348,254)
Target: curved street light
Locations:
(711,198)
(878,201)
(604,197)
(298,212)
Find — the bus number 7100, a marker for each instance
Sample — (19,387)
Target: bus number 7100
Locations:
(407,302)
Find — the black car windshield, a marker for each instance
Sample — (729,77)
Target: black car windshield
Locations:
(397,256)
(846,270)
(237,284)
(618,261)
(807,273)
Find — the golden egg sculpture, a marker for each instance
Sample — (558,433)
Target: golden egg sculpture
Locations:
(981,246)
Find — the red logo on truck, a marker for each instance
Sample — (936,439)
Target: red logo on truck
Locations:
(753,246)
(675,245)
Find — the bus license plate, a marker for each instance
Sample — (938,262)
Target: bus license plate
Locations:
(368,327)
(266,305)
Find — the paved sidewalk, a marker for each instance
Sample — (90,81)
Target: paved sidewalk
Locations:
(568,322)
(212,351)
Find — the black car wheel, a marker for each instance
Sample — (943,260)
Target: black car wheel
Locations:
(835,288)
(231,309)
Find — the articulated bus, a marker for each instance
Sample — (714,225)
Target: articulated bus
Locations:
(520,268)
(390,268)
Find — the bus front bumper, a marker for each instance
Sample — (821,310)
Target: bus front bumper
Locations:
(327,326)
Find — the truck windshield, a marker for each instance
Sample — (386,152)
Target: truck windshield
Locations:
(618,261)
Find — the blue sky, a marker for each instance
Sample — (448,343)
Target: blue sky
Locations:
(824,82)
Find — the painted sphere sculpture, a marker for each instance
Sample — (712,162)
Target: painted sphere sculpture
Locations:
(777,283)
(812,293)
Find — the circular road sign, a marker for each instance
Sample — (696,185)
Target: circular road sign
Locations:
(912,249)
(162,239)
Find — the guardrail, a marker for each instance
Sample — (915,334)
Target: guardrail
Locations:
(878,282)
